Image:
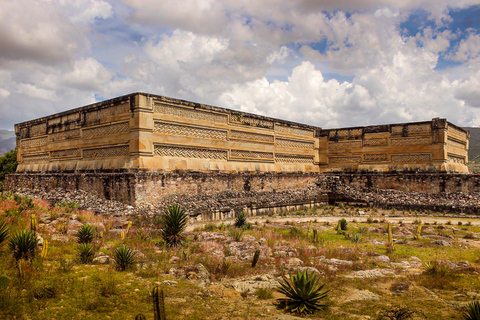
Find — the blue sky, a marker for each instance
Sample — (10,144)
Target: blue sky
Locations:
(326,63)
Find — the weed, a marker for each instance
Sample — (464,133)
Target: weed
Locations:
(4,229)
(23,244)
(124,257)
(236,234)
(472,311)
(264,293)
(86,252)
(85,234)
(68,205)
(398,313)
(240,219)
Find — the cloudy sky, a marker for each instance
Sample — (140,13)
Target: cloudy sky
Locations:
(328,63)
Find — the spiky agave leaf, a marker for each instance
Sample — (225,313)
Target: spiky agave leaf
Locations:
(303,292)
(174,221)
(23,244)
(240,219)
(124,257)
(472,311)
(85,234)
(4,229)
(86,252)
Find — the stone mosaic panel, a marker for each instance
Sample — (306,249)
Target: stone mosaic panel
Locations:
(299,144)
(63,135)
(68,153)
(35,142)
(345,159)
(295,131)
(413,128)
(456,144)
(375,142)
(342,145)
(190,131)
(411,141)
(235,134)
(251,154)
(375,157)
(189,152)
(38,130)
(411,158)
(105,131)
(97,115)
(456,159)
(35,157)
(455,131)
(250,121)
(293,158)
(106,152)
(190,113)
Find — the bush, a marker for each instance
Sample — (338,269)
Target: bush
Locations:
(69,205)
(264,293)
(85,234)
(23,244)
(4,229)
(86,252)
(343,224)
(398,313)
(472,311)
(303,292)
(240,219)
(8,164)
(236,234)
(124,257)
(174,221)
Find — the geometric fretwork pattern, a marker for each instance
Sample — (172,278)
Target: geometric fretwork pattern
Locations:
(345,159)
(106,152)
(249,121)
(296,131)
(68,134)
(456,144)
(413,128)
(455,131)
(38,130)
(354,144)
(375,142)
(375,157)
(251,154)
(189,152)
(411,141)
(456,159)
(181,130)
(34,157)
(36,142)
(251,136)
(105,131)
(411,158)
(65,153)
(293,158)
(190,113)
(295,143)
(97,115)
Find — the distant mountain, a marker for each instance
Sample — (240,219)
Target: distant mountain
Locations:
(7,141)
(474,145)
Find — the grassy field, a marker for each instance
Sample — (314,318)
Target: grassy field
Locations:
(429,279)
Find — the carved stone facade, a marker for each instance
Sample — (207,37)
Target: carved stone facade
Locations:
(144,132)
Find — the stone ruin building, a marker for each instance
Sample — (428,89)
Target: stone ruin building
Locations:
(140,148)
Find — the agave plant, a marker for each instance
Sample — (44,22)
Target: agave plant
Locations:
(85,234)
(3,231)
(303,292)
(240,219)
(124,257)
(472,311)
(173,221)
(23,244)
(86,252)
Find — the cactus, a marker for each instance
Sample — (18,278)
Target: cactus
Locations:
(390,245)
(44,249)
(339,228)
(256,256)
(419,231)
(315,232)
(123,235)
(129,226)
(33,223)
(158,303)
(4,282)
(21,264)
(309,227)
(140,317)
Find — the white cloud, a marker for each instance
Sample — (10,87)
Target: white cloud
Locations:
(467,49)
(88,75)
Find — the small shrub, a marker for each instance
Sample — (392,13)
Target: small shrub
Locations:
(362,230)
(174,221)
(44,291)
(469,223)
(4,229)
(438,268)
(448,223)
(469,235)
(85,234)
(23,244)
(295,231)
(65,265)
(236,234)
(210,226)
(68,205)
(303,292)
(356,238)
(472,311)
(240,219)
(124,257)
(369,220)
(107,287)
(459,223)
(343,224)
(86,252)
(264,293)
(398,313)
